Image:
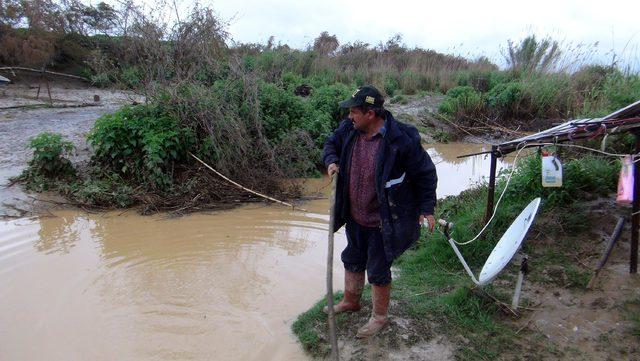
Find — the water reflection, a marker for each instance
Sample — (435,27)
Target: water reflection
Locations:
(457,174)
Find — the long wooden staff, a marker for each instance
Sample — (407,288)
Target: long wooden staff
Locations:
(332,319)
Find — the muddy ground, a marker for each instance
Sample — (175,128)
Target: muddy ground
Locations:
(72,113)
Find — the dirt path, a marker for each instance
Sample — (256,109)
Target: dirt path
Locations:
(17,125)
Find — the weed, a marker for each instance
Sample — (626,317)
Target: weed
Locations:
(48,163)
(441,136)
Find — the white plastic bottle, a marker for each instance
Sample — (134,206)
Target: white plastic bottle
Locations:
(551,171)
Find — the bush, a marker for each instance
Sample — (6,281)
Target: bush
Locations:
(462,101)
(131,77)
(48,162)
(390,85)
(49,151)
(141,143)
(506,98)
(327,98)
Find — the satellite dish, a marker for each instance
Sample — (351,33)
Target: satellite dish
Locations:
(506,247)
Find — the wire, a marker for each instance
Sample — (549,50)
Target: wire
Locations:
(495,209)
(585,148)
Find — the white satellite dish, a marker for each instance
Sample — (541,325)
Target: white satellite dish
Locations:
(506,247)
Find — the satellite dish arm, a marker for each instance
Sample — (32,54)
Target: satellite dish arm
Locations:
(464,263)
(447,227)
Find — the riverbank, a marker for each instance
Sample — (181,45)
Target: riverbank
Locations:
(437,313)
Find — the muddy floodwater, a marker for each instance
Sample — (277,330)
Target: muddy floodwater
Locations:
(223,285)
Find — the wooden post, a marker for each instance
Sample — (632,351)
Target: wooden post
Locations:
(492,184)
(635,217)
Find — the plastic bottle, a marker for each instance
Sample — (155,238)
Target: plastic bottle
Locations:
(625,182)
(551,171)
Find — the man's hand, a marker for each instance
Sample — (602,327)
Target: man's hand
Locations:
(333,168)
(430,219)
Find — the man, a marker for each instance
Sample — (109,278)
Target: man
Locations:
(386,190)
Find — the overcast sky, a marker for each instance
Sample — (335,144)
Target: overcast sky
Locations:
(468,28)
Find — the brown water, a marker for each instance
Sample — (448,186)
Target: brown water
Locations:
(225,286)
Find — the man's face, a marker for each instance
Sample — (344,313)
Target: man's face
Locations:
(361,121)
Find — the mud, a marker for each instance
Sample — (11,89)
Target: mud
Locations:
(19,124)
(587,324)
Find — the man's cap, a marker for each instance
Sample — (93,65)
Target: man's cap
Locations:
(366,95)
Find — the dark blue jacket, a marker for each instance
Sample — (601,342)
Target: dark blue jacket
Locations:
(405,181)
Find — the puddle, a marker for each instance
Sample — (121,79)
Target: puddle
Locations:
(224,285)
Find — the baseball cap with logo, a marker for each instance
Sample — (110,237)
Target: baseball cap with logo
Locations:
(366,95)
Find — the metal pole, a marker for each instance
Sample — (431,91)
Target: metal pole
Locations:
(605,256)
(332,317)
(492,184)
(635,217)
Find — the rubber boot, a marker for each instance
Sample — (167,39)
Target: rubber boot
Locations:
(353,285)
(380,299)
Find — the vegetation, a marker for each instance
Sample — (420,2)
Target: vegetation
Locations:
(260,113)
(535,89)
(49,162)
(432,286)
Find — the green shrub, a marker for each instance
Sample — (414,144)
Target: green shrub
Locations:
(506,98)
(281,110)
(49,151)
(391,84)
(141,143)
(462,101)
(480,80)
(131,77)
(326,99)
(48,164)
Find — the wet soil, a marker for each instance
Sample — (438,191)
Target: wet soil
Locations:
(18,125)
(580,323)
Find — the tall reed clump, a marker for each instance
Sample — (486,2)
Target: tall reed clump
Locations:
(537,90)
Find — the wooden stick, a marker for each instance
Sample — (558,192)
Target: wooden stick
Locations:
(245,188)
(335,355)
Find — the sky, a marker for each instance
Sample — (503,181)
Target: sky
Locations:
(467,28)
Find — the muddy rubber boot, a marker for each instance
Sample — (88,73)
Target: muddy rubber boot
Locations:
(380,299)
(353,285)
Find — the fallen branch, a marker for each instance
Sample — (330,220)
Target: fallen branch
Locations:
(56,106)
(12,68)
(245,188)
